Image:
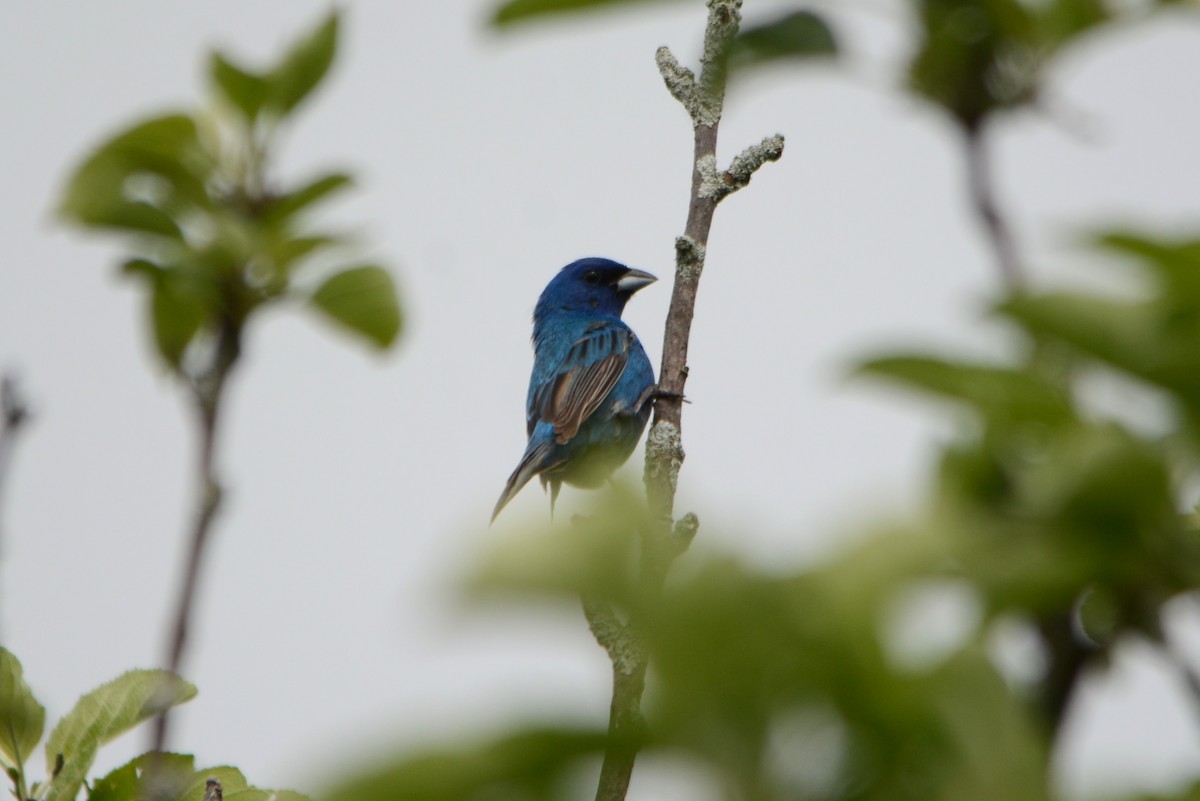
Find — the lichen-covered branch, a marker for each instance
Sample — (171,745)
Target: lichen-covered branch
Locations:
(664,540)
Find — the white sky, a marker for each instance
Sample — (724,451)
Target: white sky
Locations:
(360,487)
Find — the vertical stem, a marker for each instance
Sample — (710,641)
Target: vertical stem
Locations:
(14,415)
(1067,659)
(983,200)
(208,391)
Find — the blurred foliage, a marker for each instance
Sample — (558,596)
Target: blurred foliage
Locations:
(1045,515)
(793,684)
(797,34)
(976,57)
(520,11)
(213,238)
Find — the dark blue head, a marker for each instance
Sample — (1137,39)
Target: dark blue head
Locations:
(600,286)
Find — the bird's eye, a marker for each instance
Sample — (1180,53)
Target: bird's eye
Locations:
(592,277)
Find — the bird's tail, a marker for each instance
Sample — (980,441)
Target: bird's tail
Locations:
(533,462)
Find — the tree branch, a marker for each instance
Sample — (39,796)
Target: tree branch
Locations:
(664,541)
(13,416)
(987,209)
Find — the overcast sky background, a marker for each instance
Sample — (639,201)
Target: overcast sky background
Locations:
(360,487)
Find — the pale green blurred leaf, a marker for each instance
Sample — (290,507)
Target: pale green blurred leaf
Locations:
(163,156)
(290,203)
(797,36)
(530,765)
(303,66)
(524,10)
(1002,392)
(245,90)
(177,312)
(362,300)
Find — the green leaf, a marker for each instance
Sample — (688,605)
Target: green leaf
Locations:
(798,35)
(104,713)
(289,204)
(177,311)
(526,764)
(976,56)
(522,10)
(304,66)
(1144,339)
(1004,392)
(363,300)
(22,718)
(138,178)
(245,90)
(1062,20)
(288,251)
(120,784)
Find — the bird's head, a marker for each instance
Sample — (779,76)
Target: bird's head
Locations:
(592,285)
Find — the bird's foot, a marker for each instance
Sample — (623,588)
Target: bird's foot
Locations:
(653,393)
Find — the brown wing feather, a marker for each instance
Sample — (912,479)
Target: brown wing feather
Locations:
(577,393)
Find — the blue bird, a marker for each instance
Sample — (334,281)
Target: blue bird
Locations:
(589,394)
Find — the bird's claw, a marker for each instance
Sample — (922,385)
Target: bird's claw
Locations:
(653,393)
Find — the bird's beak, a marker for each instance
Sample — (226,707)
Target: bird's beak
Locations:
(634,280)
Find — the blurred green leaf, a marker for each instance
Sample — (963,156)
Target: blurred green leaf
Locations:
(1140,338)
(976,56)
(1007,758)
(245,90)
(104,713)
(288,251)
(304,66)
(998,392)
(177,312)
(132,180)
(287,205)
(22,718)
(596,560)
(531,765)
(1062,20)
(523,10)
(1175,264)
(798,35)
(363,300)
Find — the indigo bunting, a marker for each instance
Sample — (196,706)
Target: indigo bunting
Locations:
(589,394)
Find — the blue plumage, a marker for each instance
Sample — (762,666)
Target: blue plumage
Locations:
(589,394)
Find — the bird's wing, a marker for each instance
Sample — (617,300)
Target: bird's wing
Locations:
(588,373)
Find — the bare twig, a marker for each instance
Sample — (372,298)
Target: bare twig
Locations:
(987,209)
(207,392)
(13,415)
